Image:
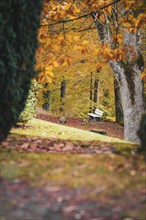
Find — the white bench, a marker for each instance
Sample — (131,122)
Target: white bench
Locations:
(96,115)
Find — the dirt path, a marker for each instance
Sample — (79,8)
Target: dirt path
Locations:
(20,201)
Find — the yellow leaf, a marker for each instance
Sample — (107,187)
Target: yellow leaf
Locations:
(76,38)
(69,38)
(132,172)
(127,24)
(96,51)
(85,42)
(48,79)
(56,47)
(110,168)
(51,74)
(49,68)
(41,80)
(65,63)
(98,67)
(102,18)
(109,9)
(56,64)
(75,47)
(77,10)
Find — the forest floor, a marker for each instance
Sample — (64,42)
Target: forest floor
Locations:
(67,179)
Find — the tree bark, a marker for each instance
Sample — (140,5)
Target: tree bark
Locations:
(118,105)
(62,94)
(91,92)
(127,73)
(47,100)
(96,92)
(132,97)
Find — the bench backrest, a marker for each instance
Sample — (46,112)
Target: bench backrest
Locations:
(98,112)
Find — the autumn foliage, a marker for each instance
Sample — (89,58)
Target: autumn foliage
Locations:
(64,24)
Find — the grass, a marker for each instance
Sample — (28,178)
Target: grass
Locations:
(44,129)
(112,179)
(72,170)
(107,178)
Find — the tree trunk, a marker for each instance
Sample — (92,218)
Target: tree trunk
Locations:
(142,133)
(47,100)
(118,105)
(132,97)
(19,23)
(127,72)
(91,92)
(62,95)
(96,92)
(63,89)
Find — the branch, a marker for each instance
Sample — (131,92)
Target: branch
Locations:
(112,3)
(80,17)
(75,30)
(87,29)
(66,21)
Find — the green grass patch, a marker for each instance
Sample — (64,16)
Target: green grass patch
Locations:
(44,129)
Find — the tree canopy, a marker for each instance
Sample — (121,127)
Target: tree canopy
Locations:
(63,22)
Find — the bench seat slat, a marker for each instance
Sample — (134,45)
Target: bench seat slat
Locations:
(94,115)
(97,114)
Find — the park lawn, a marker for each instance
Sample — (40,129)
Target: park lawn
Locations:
(45,129)
(114,180)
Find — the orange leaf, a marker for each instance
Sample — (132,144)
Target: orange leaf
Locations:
(143,77)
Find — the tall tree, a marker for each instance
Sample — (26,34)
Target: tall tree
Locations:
(62,94)
(96,92)
(19,25)
(118,104)
(91,92)
(46,98)
(127,69)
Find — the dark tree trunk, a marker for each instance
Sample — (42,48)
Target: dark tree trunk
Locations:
(19,23)
(62,94)
(63,89)
(142,133)
(91,92)
(47,100)
(96,93)
(118,104)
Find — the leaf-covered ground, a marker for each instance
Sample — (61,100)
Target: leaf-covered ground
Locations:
(60,179)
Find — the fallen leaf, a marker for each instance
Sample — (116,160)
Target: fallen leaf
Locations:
(71,208)
(132,172)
